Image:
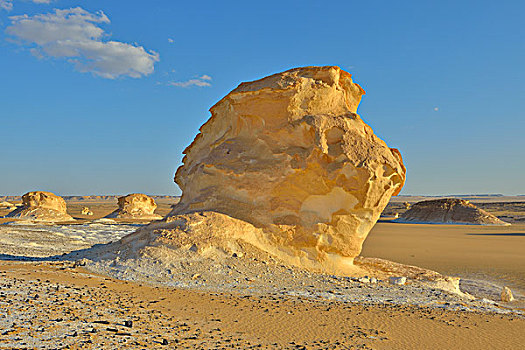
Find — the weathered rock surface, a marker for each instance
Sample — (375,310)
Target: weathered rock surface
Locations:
(289,155)
(41,206)
(449,210)
(135,206)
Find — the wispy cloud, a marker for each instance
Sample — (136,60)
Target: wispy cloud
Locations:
(171,41)
(75,34)
(201,81)
(6,5)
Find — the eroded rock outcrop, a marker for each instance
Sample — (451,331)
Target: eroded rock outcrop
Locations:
(289,155)
(449,211)
(42,206)
(135,206)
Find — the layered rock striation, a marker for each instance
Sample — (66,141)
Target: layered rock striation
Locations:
(41,206)
(289,155)
(449,211)
(135,206)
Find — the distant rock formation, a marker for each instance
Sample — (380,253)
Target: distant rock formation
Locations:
(135,206)
(448,211)
(87,211)
(289,155)
(7,205)
(41,206)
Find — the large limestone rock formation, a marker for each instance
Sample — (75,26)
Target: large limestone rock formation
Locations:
(289,155)
(449,211)
(135,206)
(42,206)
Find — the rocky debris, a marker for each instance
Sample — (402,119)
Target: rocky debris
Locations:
(41,206)
(398,281)
(407,205)
(135,206)
(506,295)
(289,155)
(86,211)
(449,211)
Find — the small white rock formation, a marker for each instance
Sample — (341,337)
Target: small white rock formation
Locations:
(135,206)
(7,205)
(398,281)
(506,295)
(449,211)
(289,155)
(41,206)
(87,211)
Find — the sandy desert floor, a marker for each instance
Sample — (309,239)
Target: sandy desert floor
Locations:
(57,304)
(492,253)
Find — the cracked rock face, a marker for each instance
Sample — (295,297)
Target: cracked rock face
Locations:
(42,206)
(449,210)
(289,155)
(135,206)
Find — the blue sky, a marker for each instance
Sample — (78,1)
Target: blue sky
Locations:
(101,97)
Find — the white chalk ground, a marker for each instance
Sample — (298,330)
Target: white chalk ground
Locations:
(245,273)
(26,239)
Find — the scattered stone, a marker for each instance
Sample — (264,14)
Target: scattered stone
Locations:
(506,295)
(398,281)
(164,342)
(128,324)
(101,322)
(194,248)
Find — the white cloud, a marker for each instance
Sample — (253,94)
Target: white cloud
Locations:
(171,41)
(6,5)
(436,109)
(75,34)
(201,81)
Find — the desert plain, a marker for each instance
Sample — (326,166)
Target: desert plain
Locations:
(50,303)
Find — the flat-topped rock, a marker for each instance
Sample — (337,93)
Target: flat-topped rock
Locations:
(41,206)
(135,206)
(449,211)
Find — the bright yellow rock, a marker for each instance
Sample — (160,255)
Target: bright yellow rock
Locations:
(289,155)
